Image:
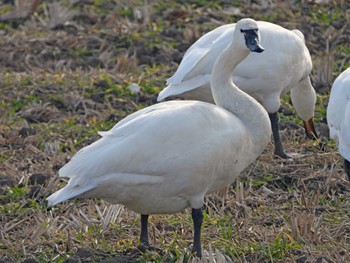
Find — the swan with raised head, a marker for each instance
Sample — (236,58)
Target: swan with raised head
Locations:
(284,66)
(338,116)
(168,156)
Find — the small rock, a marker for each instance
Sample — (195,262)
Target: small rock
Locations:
(120,259)
(98,97)
(34,191)
(25,132)
(323,130)
(6,180)
(101,84)
(72,260)
(39,179)
(56,167)
(30,260)
(266,190)
(169,228)
(84,252)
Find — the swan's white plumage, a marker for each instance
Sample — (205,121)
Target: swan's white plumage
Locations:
(207,49)
(155,165)
(285,62)
(168,156)
(338,113)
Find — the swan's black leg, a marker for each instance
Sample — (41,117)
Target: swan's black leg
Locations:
(197,217)
(347,168)
(144,230)
(276,136)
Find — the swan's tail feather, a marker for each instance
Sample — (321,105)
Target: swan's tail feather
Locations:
(299,34)
(66,193)
(186,85)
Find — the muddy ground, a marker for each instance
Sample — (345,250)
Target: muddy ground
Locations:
(65,69)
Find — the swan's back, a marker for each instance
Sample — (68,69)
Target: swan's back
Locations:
(338,113)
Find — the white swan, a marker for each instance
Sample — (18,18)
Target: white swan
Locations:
(338,116)
(168,156)
(285,65)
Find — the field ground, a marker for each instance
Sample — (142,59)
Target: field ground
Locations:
(65,69)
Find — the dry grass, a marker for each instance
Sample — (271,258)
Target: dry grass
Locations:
(60,87)
(300,210)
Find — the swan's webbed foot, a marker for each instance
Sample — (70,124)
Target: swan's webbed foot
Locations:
(144,242)
(282,154)
(143,247)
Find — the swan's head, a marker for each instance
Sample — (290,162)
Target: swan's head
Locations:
(247,30)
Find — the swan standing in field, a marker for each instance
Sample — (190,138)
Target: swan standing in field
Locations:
(338,116)
(168,156)
(284,66)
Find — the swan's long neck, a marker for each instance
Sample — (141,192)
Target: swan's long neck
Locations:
(228,96)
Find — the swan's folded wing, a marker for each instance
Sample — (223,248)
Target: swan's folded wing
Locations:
(135,115)
(128,146)
(299,34)
(333,117)
(344,140)
(337,105)
(184,86)
(117,130)
(201,48)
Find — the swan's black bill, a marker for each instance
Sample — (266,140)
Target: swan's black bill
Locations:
(252,40)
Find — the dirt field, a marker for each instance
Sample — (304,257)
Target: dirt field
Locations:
(65,72)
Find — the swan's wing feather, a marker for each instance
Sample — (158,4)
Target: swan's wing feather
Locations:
(333,111)
(344,145)
(338,113)
(195,68)
(124,121)
(70,191)
(118,131)
(184,86)
(200,50)
(299,34)
(135,115)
